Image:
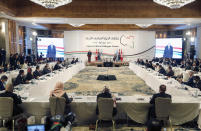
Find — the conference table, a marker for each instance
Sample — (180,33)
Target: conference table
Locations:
(14,73)
(39,90)
(184,108)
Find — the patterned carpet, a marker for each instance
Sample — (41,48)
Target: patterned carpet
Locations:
(127,83)
(132,129)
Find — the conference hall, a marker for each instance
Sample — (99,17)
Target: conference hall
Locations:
(100,65)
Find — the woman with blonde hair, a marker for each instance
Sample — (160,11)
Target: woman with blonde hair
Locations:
(59,92)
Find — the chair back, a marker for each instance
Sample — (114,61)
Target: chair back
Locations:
(105,107)
(6,107)
(57,105)
(162,107)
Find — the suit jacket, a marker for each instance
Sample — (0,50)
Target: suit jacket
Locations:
(89,54)
(51,51)
(36,74)
(57,67)
(188,68)
(170,73)
(29,76)
(19,80)
(195,68)
(163,95)
(1,86)
(162,71)
(46,71)
(168,52)
(190,81)
(16,100)
(198,85)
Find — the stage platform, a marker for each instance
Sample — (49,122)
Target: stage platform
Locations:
(107,64)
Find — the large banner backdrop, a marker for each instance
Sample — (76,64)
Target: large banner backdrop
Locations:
(133,44)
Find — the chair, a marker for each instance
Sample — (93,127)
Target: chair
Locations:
(162,110)
(6,110)
(105,107)
(57,105)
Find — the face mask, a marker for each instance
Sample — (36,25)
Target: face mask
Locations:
(5,83)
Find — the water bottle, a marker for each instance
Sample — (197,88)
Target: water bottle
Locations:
(196,93)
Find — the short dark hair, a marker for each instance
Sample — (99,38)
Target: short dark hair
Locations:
(21,71)
(37,67)
(196,78)
(162,88)
(4,77)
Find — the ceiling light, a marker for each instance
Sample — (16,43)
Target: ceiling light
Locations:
(188,33)
(51,4)
(192,39)
(77,25)
(144,25)
(34,33)
(173,4)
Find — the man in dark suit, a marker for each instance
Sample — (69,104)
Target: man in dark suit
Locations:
(16,99)
(197,82)
(3,82)
(89,54)
(162,90)
(161,70)
(168,52)
(46,69)
(190,80)
(51,51)
(3,56)
(170,72)
(106,94)
(37,72)
(57,66)
(20,78)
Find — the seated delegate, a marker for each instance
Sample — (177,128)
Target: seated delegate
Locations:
(29,75)
(57,66)
(59,92)
(16,99)
(3,80)
(162,90)
(46,69)
(106,94)
(20,78)
(37,73)
(170,72)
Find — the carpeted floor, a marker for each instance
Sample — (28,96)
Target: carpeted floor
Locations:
(127,83)
(132,129)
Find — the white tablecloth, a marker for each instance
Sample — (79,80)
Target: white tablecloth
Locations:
(174,88)
(136,107)
(40,90)
(14,73)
